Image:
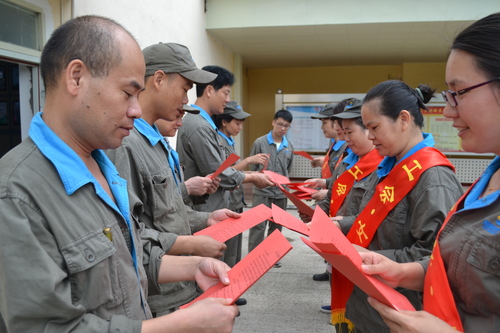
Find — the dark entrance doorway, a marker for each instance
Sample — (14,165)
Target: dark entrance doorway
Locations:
(10,113)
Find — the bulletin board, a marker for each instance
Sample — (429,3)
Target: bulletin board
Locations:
(305,133)
(445,135)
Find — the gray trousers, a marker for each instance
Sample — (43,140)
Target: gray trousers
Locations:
(256,234)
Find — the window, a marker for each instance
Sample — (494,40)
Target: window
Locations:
(19,26)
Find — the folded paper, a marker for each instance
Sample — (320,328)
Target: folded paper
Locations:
(250,269)
(276,177)
(330,243)
(230,160)
(301,205)
(231,227)
(304,154)
(289,221)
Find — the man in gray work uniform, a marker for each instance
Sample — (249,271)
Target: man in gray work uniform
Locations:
(201,150)
(154,181)
(280,152)
(72,258)
(200,147)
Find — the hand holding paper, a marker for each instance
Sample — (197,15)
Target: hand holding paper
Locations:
(281,180)
(276,177)
(301,205)
(231,227)
(250,269)
(226,164)
(330,243)
(304,193)
(289,221)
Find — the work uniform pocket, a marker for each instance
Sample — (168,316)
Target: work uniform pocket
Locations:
(481,275)
(93,271)
(163,196)
(485,255)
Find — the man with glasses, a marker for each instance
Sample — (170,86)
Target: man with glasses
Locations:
(280,152)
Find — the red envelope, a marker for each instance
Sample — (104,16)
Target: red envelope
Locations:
(230,160)
(250,269)
(331,244)
(231,227)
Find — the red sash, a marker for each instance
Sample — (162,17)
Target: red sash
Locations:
(388,193)
(325,168)
(342,186)
(438,299)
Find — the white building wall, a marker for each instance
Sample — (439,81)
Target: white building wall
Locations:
(154,21)
(265,13)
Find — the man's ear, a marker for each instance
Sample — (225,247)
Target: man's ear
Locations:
(209,90)
(158,77)
(74,75)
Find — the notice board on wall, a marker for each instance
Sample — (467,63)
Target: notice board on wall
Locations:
(305,133)
(442,130)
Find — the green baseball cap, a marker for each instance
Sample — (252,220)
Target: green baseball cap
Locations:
(190,109)
(352,110)
(326,112)
(174,58)
(234,110)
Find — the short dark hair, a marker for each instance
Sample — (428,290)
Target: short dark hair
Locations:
(393,96)
(480,39)
(224,78)
(89,38)
(284,114)
(218,118)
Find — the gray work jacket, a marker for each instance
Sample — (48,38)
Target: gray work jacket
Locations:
(332,163)
(407,234)
(470,248)
(235,196)
(157,202)
(58,270)
(201,152)
(279,162)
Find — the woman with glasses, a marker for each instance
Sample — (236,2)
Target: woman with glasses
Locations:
(404,206)
(461,283)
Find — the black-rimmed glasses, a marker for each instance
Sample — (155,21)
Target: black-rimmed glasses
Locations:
(449,95)
(285,126)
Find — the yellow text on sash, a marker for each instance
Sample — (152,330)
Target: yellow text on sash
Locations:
(361,232)
(409,171)
(355,173)
(387,194)
(341,189)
